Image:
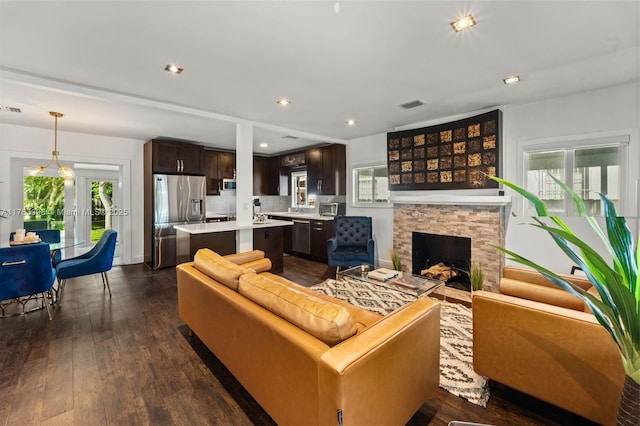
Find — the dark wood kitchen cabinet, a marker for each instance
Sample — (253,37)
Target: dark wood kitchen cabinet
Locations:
(326,170)
(287,234)
(321,231)
(210,167)
(176,157)
(266,175)
(218,165)
(226,165)
(270,241)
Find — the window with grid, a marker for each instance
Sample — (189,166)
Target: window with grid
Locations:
(588,170)
(371,185)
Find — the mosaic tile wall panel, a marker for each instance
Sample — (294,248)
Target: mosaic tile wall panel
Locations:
(453,155)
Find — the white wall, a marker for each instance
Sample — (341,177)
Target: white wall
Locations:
(19,142)
(371,150)
(613,110)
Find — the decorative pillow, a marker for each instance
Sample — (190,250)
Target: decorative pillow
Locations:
(324,320)
(220,269)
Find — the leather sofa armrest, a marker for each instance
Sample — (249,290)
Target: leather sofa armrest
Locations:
(244,257)
(534,277)
(540,293)
(384,374)
(558,355)
(260,265)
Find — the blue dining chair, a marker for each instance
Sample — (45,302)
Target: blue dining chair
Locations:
(51,236)
(352,242)
(26,271)
(98,260)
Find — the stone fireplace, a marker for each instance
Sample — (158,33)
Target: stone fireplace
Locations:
(481,219)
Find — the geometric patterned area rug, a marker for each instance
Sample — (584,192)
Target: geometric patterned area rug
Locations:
(456,333)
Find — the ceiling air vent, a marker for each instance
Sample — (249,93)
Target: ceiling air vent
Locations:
(10,109)
(290,137)
(411,104)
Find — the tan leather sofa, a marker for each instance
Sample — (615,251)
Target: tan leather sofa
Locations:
(382,374)
(542,341)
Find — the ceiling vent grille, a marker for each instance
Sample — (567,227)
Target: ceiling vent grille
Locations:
(411,104)
(290,137)
(10,109)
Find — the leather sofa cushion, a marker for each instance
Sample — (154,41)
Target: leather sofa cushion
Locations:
(220,269)
(362,317)
(324,320)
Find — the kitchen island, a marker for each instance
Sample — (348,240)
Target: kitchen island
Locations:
(221,238)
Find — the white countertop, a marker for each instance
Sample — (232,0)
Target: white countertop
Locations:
(294,215)
(207,228)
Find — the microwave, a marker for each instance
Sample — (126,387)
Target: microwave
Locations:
(228,184)
(331,209)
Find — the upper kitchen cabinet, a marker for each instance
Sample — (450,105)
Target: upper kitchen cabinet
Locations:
(226,165)
(266,175)
(210,168)
(176,157)
(326,170)
(218,165)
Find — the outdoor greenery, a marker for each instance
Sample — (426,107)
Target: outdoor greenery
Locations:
(44,202)
(43,198)
(618,307)
(101,196)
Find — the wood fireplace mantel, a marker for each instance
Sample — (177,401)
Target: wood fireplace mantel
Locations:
(448,199)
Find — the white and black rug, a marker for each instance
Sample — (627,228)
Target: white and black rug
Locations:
(456,333)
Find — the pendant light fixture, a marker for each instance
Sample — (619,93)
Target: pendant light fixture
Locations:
(63,171)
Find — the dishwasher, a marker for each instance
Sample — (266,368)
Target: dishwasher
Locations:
(301,236)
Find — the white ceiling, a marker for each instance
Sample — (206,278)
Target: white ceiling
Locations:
(101,63)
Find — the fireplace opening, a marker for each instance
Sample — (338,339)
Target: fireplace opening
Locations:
(444,257)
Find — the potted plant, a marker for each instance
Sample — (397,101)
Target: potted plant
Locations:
(476,275)
(618,307)
(395,259)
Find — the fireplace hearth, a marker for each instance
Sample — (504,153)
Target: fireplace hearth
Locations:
(444,257)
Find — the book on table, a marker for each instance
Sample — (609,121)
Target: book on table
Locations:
(383,274)
(410,281)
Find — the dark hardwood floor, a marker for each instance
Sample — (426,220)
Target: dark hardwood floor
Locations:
(129,360)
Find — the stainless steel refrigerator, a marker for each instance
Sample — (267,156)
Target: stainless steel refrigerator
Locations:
(177,199)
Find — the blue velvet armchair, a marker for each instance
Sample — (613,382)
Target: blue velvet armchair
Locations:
(352,242)
(51,236)
(98,260)
(26,271)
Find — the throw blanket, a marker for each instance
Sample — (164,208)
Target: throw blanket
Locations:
(456,333)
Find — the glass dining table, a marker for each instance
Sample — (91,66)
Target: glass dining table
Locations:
(67,250)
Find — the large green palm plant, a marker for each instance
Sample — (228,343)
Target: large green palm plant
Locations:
(618,285)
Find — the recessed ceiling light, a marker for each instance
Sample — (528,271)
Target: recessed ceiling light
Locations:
(264,145)
(283,102)
(173,68)
(351,122)
(512,79)
(463,23)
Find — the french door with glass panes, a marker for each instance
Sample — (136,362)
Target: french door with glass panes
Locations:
(98,202)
